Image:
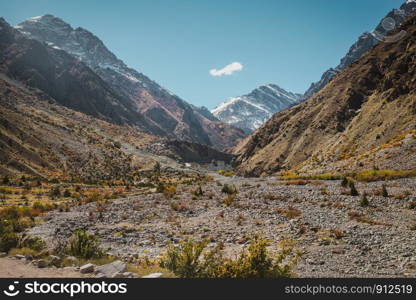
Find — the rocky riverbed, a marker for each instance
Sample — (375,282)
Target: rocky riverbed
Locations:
(338,236)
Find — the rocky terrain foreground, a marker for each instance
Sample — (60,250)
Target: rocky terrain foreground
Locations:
(338,236)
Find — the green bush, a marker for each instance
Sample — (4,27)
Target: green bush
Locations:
(6,180)
(191,260)
(229,189)
(384,191)
(84,245)
(34,243)
(55,192)
(364,201)
(353,190)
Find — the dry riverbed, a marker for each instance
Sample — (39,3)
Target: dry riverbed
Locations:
(338,237)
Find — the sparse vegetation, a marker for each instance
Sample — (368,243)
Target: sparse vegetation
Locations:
(191,260)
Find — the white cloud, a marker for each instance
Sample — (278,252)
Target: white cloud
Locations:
(227,70)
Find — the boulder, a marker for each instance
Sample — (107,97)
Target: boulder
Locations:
(41,263)
(71,260)
(111,268)
(153,275)
(3,254)
(54,260)
(88,268)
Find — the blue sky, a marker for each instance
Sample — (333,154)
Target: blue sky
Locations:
(178,42)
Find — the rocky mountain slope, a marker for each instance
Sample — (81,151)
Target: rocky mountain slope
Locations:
(250,111)
(143,100)
(368,106)
(364,43)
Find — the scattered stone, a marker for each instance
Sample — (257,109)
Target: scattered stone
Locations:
(88,268)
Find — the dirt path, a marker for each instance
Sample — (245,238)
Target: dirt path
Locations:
(13,268)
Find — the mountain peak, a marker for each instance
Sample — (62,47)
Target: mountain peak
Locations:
(250,111)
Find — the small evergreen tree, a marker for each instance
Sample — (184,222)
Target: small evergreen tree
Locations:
(364,201)
(6,180)
(353,191)
(384,191)
(344,182)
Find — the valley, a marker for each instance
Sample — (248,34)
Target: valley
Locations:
(105,173)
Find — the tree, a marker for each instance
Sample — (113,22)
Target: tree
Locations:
(384,191)
(353,191)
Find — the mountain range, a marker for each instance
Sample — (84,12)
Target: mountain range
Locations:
(122,94)
(249,112)
(364,118)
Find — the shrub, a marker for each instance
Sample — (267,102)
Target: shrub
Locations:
(353,190)
(160,187)
(226,173)
(8,241)
(6,180)
(344,182)
(34,243)
(191,260)
(84,245)
(229,199)
(364,201)
(198,192)
(169,191)
(55,192)
(156,167)
(229,189)
(67,193)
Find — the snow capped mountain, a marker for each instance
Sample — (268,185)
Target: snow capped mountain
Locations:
(364,43)
(250,111)
(164,113)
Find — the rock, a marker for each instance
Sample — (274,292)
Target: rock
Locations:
(41,263)
(338,251)
(153,275)
(71,260)
(129,274)
(19,256)
(29,257)
(3,254)
(111,268)
(117,275)
(88,268)
(54,260)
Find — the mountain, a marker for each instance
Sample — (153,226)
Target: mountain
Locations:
(155,108)
(364,118)
(250,111)
(364,43)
